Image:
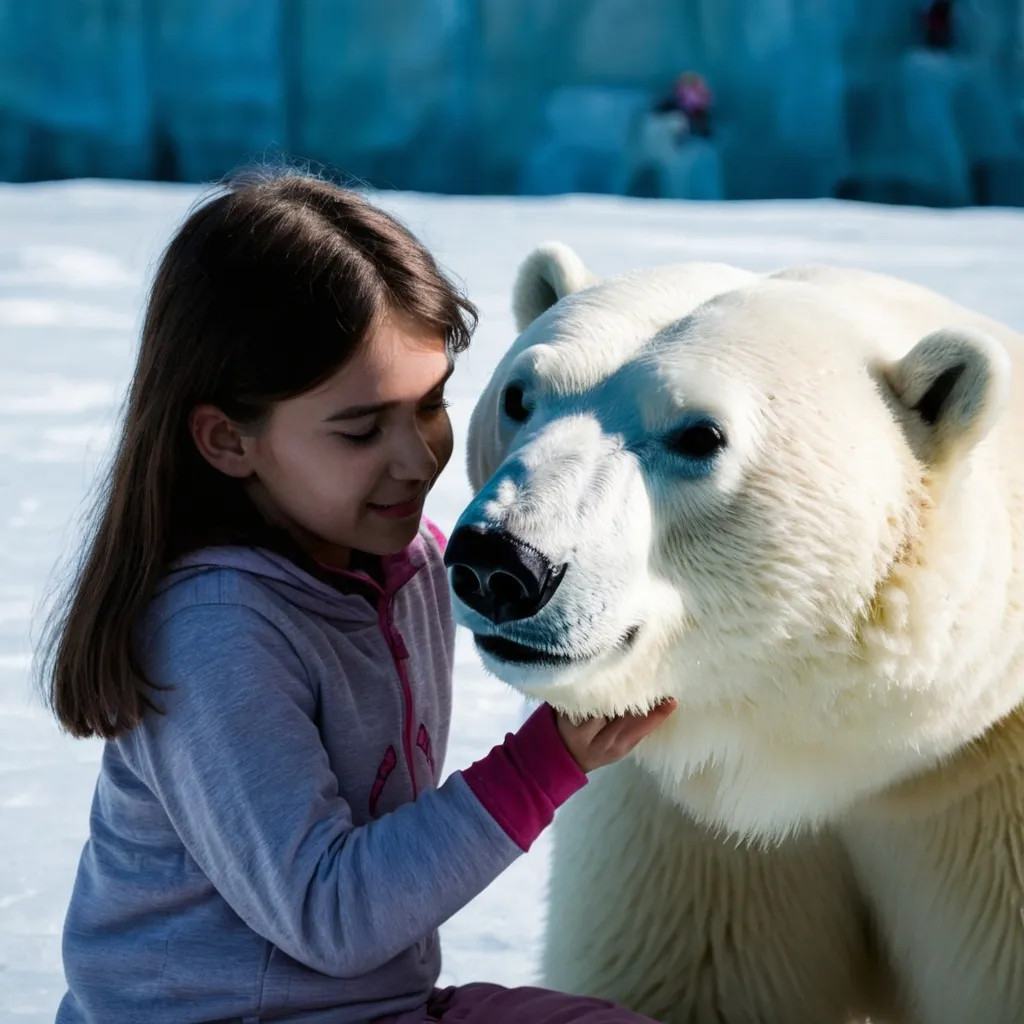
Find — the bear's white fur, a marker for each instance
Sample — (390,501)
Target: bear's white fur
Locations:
(831,825)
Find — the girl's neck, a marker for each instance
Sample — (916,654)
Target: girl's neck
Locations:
(369,565)
(337,566)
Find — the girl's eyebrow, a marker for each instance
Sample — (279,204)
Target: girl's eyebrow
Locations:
(354,412)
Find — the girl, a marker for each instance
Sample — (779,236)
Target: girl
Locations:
(261,631)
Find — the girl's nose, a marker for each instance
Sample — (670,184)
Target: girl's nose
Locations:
(414,458)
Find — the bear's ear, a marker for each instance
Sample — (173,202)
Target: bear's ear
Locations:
(548,274)
(954,384)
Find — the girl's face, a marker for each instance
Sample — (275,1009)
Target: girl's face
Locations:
(348,465)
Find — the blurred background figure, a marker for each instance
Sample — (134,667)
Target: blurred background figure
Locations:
(880,100)
(691,97)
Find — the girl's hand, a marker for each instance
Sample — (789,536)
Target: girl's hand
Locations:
(599,741)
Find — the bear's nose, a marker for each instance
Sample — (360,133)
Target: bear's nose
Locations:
(499,576)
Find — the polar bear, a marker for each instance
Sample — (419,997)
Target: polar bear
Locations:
(795,503)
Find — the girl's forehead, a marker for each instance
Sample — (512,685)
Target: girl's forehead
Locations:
(394,365)
(396,337)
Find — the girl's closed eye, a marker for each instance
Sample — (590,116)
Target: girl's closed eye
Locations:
(360,428)
(431,406)
(360,437)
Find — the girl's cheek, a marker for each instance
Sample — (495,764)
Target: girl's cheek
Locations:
(445,445)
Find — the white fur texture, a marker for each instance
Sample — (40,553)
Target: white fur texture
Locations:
(837,603)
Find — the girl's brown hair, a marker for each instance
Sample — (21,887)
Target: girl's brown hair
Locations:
(266,291)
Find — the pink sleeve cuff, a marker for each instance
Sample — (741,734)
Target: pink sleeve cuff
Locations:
(522,782)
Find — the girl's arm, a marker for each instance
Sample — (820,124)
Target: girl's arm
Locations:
(237,762)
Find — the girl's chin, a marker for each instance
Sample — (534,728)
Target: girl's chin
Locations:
(388,536)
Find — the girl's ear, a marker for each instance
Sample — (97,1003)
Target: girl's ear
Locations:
(220,441)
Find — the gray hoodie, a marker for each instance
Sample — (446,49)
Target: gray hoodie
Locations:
(274,845)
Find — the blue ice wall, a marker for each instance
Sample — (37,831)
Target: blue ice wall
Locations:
(813,97)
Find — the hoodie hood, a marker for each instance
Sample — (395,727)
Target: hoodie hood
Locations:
(298,586)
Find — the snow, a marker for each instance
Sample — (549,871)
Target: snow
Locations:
(74,263)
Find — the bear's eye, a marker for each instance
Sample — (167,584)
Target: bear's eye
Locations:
(697,441)
(515,409)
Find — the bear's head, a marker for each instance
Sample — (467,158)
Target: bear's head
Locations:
(751,494)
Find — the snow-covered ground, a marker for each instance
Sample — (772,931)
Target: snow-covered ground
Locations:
(74,263)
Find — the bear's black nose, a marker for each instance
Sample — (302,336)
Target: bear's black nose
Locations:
(498,576)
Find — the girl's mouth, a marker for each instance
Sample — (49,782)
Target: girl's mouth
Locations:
(401,510)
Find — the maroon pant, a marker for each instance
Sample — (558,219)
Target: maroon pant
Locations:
(492,1004)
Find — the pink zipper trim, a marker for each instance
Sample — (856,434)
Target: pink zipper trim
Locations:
(399,652)
(435,532)
(398,570)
